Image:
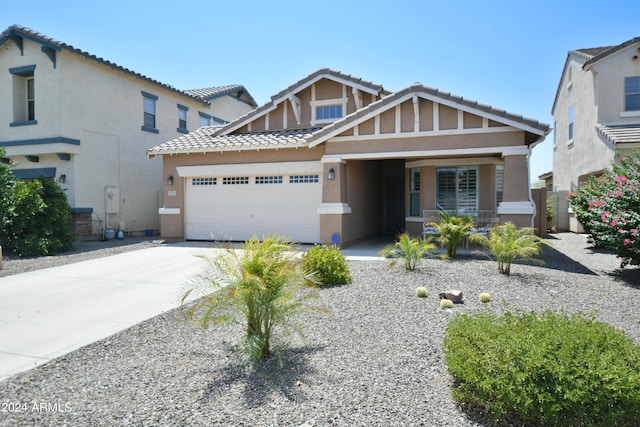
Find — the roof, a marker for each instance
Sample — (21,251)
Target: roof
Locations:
(590,55)
(204,140)
(300,85)
(620,134)
(534,126)
(16,32)
(209,93)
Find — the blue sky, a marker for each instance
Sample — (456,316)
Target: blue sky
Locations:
(508,54)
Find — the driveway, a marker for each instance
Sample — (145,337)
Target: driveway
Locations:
(47,313)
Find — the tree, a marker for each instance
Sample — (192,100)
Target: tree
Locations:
(259,283)
(508,243)
(452,230)
(410,249)
(608,207)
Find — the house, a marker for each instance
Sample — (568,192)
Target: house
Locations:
(87,122)
(334,158)
(596,114)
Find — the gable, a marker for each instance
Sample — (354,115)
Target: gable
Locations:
(419,112)
(305,104)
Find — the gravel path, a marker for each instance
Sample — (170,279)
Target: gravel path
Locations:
(377,361)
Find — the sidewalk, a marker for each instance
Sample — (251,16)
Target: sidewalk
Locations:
(48,313)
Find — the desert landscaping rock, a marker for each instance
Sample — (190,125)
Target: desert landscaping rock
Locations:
(376,360)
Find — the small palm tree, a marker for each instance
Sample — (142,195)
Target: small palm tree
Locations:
(259,283)
(452,230)
(410,249)
(508,243)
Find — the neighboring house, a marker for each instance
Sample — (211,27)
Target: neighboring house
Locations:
(87,122)
(596,114)
(333,158)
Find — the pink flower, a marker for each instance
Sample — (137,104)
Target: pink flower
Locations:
(620,230)
(613,223)
(627,241)
(599,203)
(634,231)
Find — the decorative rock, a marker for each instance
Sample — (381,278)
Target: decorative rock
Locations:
(454,295)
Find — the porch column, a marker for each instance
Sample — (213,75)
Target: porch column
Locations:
(516,205)
(334,201)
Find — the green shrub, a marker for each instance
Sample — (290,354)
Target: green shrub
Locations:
(508,243)
(452,230)
(328,263)
(259,284)
(410,249)
(544,369)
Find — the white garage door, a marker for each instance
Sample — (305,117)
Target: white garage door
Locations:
(231,205)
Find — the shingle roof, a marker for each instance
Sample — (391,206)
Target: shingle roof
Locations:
(599,53)
(204,140)
(28,33)
(620,134)
(209,93)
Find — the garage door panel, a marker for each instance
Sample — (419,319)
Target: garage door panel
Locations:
(240,211)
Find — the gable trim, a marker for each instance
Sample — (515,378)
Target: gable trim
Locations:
(426,133)
(457,152)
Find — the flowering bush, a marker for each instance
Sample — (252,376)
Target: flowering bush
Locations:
(609,209)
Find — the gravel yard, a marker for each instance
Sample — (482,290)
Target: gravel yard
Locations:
(376,361)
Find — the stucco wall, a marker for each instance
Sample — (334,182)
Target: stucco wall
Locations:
(102,108)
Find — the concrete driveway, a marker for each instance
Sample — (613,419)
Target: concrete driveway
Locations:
(48,313)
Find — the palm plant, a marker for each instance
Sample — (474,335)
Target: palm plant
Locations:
(508,243)
(452,230)
(258,283)
(410,249)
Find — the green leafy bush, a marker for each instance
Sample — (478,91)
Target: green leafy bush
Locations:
(608,208)
(410,249)
(452,230)
(544,369)
(34,215)
(328,263)
(508,243)
(260,284)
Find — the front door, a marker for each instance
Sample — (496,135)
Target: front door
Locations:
(393,196)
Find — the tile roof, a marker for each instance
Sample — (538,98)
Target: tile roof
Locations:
(299,85)
(204,140)
(416,88)
(599,53)
(620,134)
(28,33)
(209,93)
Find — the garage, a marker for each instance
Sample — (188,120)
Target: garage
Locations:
(236,202)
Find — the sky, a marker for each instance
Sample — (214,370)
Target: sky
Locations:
(505,53)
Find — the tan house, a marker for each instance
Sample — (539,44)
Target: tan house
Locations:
(87,122)
(334,158)
(596,114)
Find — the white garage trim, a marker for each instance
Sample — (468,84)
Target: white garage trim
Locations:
(236,202)
(254,168)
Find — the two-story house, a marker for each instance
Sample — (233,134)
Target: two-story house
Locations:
(596,114)
(334,158)
(87,122)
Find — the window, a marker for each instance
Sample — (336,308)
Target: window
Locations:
(570,122)
(149,105)
(328,112)
(24,105)
(204,181)
(235,180)
(632,93)
(457,189)
(303,179)
(182,119)
(31,101)
(205,119)
(269,179)
(414,192)
(499,183)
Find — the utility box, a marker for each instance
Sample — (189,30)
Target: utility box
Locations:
(111,200)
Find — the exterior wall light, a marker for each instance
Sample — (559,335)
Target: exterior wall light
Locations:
(170,180)
(62,179)
(331,174)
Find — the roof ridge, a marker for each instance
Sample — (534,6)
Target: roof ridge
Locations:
(37,36)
